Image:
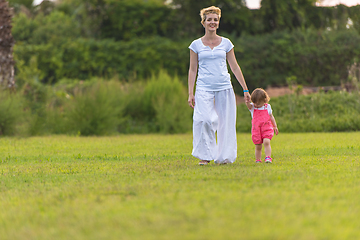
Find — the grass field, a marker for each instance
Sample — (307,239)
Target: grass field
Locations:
(150,187)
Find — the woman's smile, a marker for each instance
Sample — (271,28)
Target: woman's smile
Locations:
(212,21)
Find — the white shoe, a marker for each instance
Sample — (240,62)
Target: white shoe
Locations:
(225,162)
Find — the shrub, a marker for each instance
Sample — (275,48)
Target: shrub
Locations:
(319,112)
(87,58)
(11,112)
(136,118)
(96,110)
(243,119)
(165,101)
(315,58)
(35,95)
(158,105)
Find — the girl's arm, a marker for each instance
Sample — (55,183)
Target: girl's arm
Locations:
(235,68)
(274,124)
(248,104)
(191,77)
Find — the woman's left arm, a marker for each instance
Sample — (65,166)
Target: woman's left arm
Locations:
(235,68)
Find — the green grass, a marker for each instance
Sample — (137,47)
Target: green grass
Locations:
(150,187)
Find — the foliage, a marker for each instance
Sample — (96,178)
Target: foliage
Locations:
(128,19)
(29,73)
(11,112)
(285,14)
(320,112)
(87,58)
(138,19)
(120,20)
(95,111)
(17,4)
(315,58)
(164,101)
(235,17)
(23,28)
(158,106)
(36,96)
(99,107)
(134,39)
(42,29)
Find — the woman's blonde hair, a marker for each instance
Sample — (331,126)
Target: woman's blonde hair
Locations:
(258,95)
(208,10)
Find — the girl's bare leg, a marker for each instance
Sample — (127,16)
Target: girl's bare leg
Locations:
(258,148)
(267,147)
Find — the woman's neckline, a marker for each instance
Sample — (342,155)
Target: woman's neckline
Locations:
(209,46)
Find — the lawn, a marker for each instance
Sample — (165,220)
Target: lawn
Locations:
(150,187)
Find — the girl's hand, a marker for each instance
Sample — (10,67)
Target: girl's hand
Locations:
(247,97)
(191,101)
(276,130)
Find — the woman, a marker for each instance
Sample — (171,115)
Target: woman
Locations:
(214,102)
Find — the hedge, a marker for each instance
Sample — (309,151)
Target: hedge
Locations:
(314,58)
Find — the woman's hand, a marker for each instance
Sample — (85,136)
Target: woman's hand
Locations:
(191,101)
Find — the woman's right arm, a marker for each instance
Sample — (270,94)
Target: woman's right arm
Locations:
(192,76)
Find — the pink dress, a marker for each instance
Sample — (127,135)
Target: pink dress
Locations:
(261,125)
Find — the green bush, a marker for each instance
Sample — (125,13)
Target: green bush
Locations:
(158,105)
(320,112)
(243,119)
(136,118)
(96,110)
(134,39)
(35,95)
(165,101)
(42,29)
(11,112)
(315,58)
(87,58)
(99,107)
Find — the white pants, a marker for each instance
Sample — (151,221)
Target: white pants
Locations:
(215,114)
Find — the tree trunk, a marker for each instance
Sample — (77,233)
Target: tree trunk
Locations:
(6,47)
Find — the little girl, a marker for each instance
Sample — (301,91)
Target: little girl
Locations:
(263,123)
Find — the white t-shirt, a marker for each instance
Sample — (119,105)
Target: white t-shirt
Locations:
(262,108)
(213,74)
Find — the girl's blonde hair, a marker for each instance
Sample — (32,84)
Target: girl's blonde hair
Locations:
(206,11)
(258,95)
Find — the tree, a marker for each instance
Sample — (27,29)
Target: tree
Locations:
(6,45)
(285,14)
(18,5)
(236,17)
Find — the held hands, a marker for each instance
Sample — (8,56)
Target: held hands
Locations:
(247,97)
(191,101)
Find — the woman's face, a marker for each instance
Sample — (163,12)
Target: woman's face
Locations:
(211,22)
